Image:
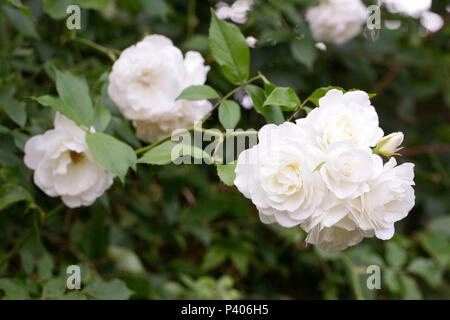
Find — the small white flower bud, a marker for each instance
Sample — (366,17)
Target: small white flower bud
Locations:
(388,145)
(251,41)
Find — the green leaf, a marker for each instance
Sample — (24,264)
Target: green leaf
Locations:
(91,4)
(229,49)
(284,98)
(23,23)
(304,52)
(15,111)
(392,280)
(10,193)
(19,5)
(112,290)
(158,8)
(226,173)
(13,289)
(20,139)
(395,255)
(427,269)
(214,257)
(410,288)
(321,92)
(440,226)
(74,92)
(169,151)
(113,154)
(229,114)
(258,97)
(4,129)
(193,93)
(159,155)
(54,289)
(272,114)
(437,246)
(126,259)
(102,117)
(57,8)
(58,105)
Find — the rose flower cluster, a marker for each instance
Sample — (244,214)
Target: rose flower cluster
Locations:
(323,175)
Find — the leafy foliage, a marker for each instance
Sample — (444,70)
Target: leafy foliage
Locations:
(175,231)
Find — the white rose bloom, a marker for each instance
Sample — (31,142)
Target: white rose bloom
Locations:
(337,21)
(389,199)
(347,169)
(146,80)
(341,235)
(412,8)
(237,12)
(277,175)
(331,226)
(431,21)
(251,41)
(341,117)
(64,166)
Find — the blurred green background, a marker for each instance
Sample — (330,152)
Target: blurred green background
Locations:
(176,232)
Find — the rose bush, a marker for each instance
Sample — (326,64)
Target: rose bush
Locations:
(321,178)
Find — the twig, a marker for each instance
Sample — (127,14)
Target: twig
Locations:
(300,107)
(354,275)
(387,79)
(111,53)
(427,149)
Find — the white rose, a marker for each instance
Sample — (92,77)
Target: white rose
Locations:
(342,117)
(64,166)
(337,21)
(331,226)
(347,169)
(277,175)
(341,235)
(389,199)
(407,7)
(146,80)
(237,12)
(431,21)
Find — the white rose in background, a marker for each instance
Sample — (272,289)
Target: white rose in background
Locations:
(251,41)
(347,169)
(337,21)
(278,175)
(412,8)
(64,166)
(342,117)
(146,80)
(237,12)
(389,200)
(431,21)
